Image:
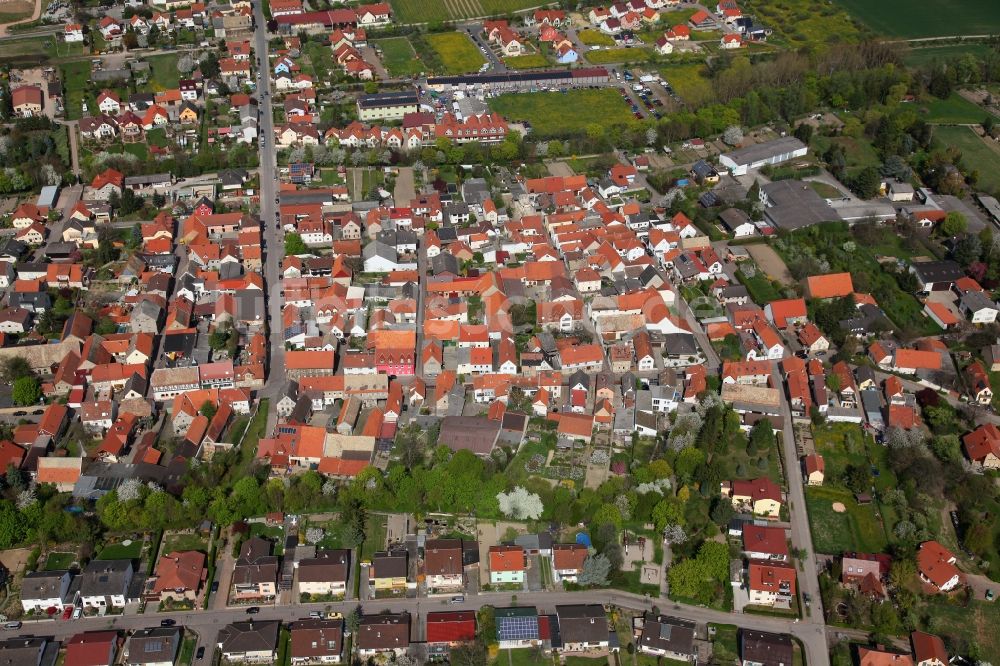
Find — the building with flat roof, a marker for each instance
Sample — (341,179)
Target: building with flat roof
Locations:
(741,160)
(512,80)
(387,106)
(792,204)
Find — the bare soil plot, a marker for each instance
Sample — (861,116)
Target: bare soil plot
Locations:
(771,263)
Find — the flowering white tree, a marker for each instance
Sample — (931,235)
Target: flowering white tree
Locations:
(129,490)
(733,135)
(314,535)
(659,486)
(26,498)
(520,504)
(674,534)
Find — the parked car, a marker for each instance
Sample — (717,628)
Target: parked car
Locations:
(12,625)
(167,623)
(253,610)
(200,653)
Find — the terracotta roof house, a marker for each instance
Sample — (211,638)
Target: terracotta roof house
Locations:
(762,496)
(92,648)
(179,575)
(815,468)
(507,565)
(832,285)
(928,649)
(878,657)
(982,446)
(771,583)
(567,561)
(936,566)
(450,628)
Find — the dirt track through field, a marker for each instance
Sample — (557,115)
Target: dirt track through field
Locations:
(34,17)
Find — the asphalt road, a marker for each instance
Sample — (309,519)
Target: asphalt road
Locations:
(208,624)
(273,240)
(808,579)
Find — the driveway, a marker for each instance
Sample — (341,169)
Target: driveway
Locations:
(405,189)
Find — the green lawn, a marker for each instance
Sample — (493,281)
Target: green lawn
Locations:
(75,76)
(725,648)
(611,56)
(138,149)
(375,534)
(119,551)
(530,61)
(858,152)
(956,110)
(857,529)
(824,190)
(187,650)
(163,72)
(595,38)
(976,155)
(560,114)
(926,18)
(925,55)
(975,624)
(182,542)
(59,561)
(457,52)
(522,657)
(690,83)
(585,661)
(321,60)
(398,56)
(760,287)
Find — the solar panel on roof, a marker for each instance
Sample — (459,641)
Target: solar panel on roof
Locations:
(154,646)
(518,628)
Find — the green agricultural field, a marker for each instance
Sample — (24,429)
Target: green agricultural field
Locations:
(457,52)
(530,61)
(956,110)
(976,154)
(926,18)
(856,529)
(399,57)
(420,11)
(493,7)
(559,114)
(611,56)
(690,83)
(595,38)
(925,55)
(430,11)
